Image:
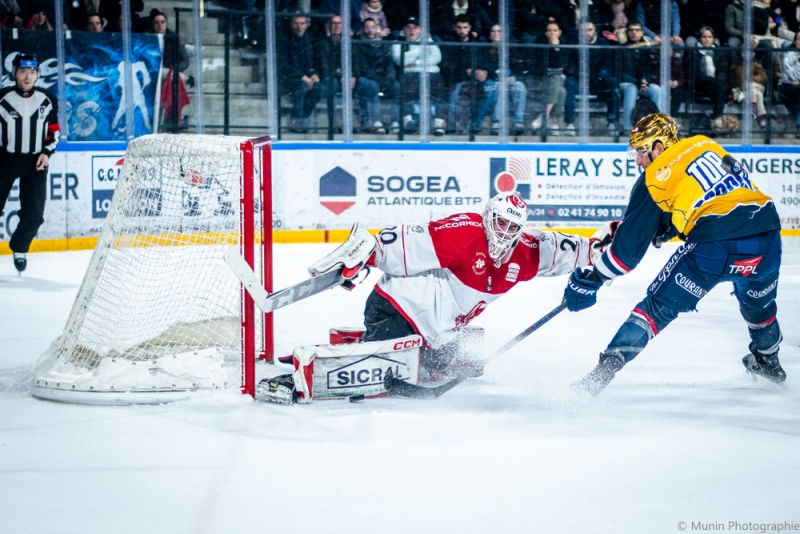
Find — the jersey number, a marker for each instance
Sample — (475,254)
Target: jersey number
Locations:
(388,236)
(714,178)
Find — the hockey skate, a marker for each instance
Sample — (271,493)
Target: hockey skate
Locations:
(764,365)
(279,389)
(602,375)
(20,261)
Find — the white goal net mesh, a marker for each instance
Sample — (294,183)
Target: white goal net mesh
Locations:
(158,309)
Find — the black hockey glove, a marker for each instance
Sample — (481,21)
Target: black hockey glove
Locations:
(581,291)
(666,230)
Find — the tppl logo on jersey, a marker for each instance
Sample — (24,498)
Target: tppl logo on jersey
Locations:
(745,267)
(337,190)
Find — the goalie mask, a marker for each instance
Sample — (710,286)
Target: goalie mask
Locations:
(503,219)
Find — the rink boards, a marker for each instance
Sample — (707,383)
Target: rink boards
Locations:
(320,189)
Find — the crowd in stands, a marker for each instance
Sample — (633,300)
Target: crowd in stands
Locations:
(106,16)
(462,58)
(624,58)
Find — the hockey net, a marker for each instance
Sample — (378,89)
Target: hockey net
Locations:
(159,313)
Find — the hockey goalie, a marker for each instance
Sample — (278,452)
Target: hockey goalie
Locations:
(437,277)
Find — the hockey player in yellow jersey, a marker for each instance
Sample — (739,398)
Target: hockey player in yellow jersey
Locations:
(695,190)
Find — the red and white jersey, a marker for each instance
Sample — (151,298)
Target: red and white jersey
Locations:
(439,275)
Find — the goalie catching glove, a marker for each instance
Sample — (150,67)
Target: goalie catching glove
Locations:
(355,254)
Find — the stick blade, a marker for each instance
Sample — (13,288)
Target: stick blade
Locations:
(413,391)
(269,302)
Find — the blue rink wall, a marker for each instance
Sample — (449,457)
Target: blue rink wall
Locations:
(321,189)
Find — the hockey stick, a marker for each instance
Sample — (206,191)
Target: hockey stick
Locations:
(269,302)
(414,391)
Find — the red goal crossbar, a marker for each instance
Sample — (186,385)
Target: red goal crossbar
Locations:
(256,244)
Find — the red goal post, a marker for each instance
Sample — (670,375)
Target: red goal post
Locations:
(256,239)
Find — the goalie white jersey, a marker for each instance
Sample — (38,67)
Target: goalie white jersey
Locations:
(439,276)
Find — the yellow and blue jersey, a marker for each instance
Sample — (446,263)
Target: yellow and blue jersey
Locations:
(702,190)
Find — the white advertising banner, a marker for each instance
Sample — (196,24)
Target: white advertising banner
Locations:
(332,185)
(328,186)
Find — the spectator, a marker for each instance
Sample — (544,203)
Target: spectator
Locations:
(648,14)
(677,81)
(80,10)
(111,10)
(409,57)
(530,21)
(612,13)
(601,81)
(558,60)
(329,60)
(10,14)
(299,75)
(789,86)
(734,22)
(335,6)
(175,55)
(637,61)
(757,87)
(39,21)
(373,9)
(94,23)
(446,12)
(489,15)
(175,59)
(709,69)
(516,89)
(377,70)
(457,67)
(790,13)
(398,12)
(114,24)
(572,17)
(702,14)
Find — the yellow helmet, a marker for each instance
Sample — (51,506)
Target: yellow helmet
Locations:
(651,128)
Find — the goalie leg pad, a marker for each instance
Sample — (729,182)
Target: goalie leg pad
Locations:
(340,371)
(353,255)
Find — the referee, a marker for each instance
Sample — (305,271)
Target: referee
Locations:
(28,137)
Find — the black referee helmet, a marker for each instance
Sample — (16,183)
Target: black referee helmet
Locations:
(24,61)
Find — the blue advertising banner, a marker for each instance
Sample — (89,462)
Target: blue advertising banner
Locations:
(95,88)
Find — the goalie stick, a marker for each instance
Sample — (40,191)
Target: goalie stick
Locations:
(269,302)
(414,391)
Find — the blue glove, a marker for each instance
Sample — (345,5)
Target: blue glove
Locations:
(581,293)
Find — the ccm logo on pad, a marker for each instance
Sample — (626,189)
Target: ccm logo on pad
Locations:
(409,344)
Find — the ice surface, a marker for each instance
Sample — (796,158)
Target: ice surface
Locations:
(682,434)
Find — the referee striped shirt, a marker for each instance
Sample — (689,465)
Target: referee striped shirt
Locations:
(28,121)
